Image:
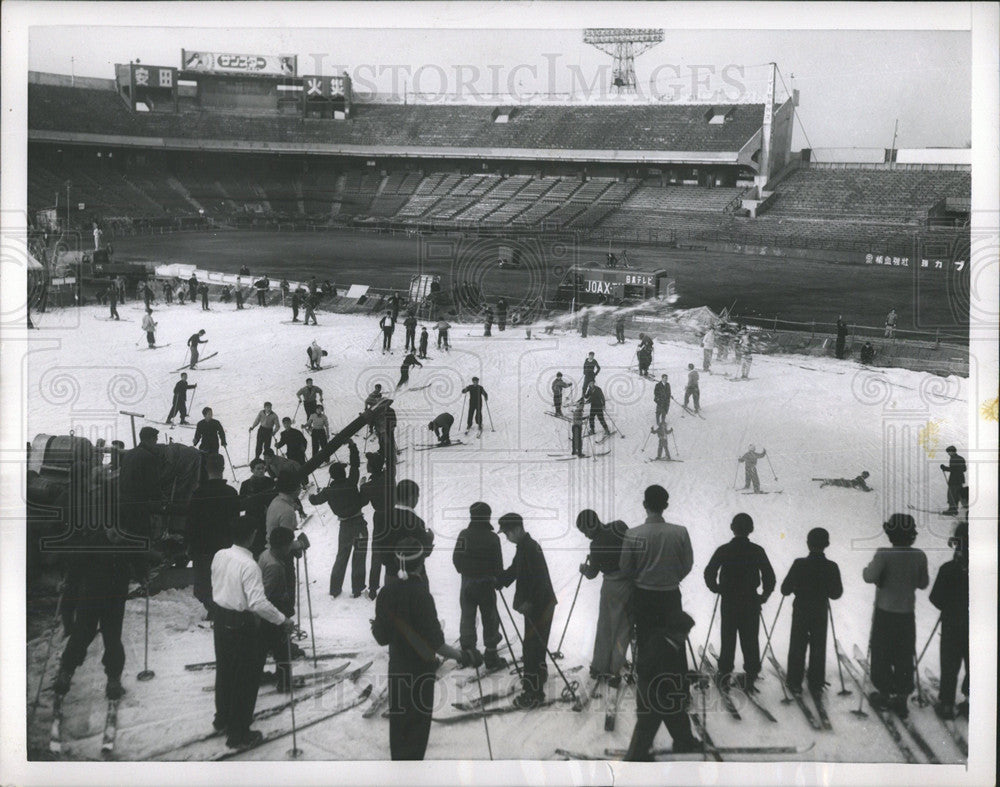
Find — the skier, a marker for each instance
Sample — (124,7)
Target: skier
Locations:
(394,306)
(950,594)
(113,302)
(309,303)
(296,303)
(614,626)
(860,482)
(441,426)
(535,600)
(584,324)
(406,620)
(278,466)
(442,337)
(749,460)
(285,508)
(735,571)
(488,322)
(149,326)
(410,323)
(181,293)
(595,396)
(239,296)
(262,285)
(897,572)
(591,368)
(346,502)
(193,343)
(388,325)
(707,348)
(558,386)
(203,291)
(213,511)
(293,441)
(644,354)
(256,494)
(479,561)
(691,391)
(841,336)
(576,430)
(147,295)
(268,422)
(620,329)
(955,469)
(477,395)
(404,369)
(319,429)
(403,522)
(422,352)
(209,433)
(279,588)
(168,292)
(310,395)
(238,593)
(746,356)
(179,403)
(890,324)
(284,286)
(661,398)
(315,353)
(192,288)
(378,489)
(662,431)
(815,582)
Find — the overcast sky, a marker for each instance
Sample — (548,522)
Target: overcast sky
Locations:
(853,84)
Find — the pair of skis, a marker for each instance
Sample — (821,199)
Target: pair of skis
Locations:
(188,366)
(619,754)
(429,446)
(711,666)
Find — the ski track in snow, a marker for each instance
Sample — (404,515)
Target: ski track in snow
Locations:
(819,423)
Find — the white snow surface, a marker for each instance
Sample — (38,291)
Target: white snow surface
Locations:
(815,417)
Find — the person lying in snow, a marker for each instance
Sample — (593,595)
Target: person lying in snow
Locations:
(858,483)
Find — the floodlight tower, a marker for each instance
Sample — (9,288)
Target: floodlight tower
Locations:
(623,44)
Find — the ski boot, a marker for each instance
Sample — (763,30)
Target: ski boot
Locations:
(114,690)
(944,710)
(528,700)
(878,701)
(61,684)
(493,661)
(897,704)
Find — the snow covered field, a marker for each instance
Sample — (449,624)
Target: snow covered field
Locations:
(816,418)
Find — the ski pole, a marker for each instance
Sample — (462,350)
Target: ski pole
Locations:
(298,599)
(676,449)
(297,405)
(736,480)
(191,403)
(615,426)
(844,691)
(921,700)
(312,633)
(786,700)
(489,414)
(513,622)
(570,687)
(48,653)
(559,654)
(147,673)
(231,466)
(503,628)
(372,345)
(768,458)
(859,712)
(704,647)
(774,624)
(482,704)
(294,751)
(646,442)
(249,443)
(933,632)
(464,397)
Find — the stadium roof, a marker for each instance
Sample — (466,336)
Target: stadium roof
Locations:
(624,133)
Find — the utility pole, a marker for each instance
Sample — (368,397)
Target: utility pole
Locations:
(892,151)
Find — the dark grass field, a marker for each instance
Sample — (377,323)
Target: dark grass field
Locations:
(789,289)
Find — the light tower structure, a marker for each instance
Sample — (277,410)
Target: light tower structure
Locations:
(623,44)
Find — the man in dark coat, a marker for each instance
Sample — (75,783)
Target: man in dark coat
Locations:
(950,594)
(256,494)
(293,441)
(478,559)
(841,336)
(378,489)
(410,323)
(209,433)
(502,314)
(595,396)
(178,405)
(441,426)
(955,470)
(661,397)
(403,522)
(477,395)
(212,513)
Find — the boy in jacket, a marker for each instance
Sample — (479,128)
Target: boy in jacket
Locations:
(950,594)
(477,557)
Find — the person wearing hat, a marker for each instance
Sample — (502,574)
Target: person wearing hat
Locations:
(406,620)
(815,582)
(858,482)
(441,426)
(477,395)
(346,501)
(897,572)
(319,429)
(955,470)
(256,494)
(268,422)
(661,398)
(614,625)
(293,441)
(536,600)
(749,460)
(193,344)
(403,522)
(558,386)
(735,571)
(378,489)
(179,403)
(212,513)
(479,561)
(950,594)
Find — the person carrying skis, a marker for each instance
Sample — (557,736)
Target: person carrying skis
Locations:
(209,433)
(378,489)
(149,326)
(404,369)
(955,470)
(410,323)
(442,337)
(749,460)
(256,494)
(268,422)
(591,368)
(950,594)
(406,620)
(319,429)
(558,386)
(614,625)
(315,354)
(310,395)
(193,343)
(735,571)
(860,482)
(661,398)
(707,348)
(441,426)
(213,511)
(815,582)
(535,599)
(897,572)
(620,329)
(595,397)
(478,560)
(477,395)
(691,391)
(179,404)
(346,501)
(422,352)
(293,441)
(388,325)
(662,431)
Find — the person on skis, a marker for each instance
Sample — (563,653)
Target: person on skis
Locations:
(477,395)
(859,482)
(179,404)
(950,594)
(422,352)
(388,325)
(310,395)
(591,368)
(691,390)
(410,323)
(318,427)
(661,398)
(149,326)
(293,441)
(558,386)
(404,369)
(749,460)
(441,426)
(662,431)
(595,397)
(193,343)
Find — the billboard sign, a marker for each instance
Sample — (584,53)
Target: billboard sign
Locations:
(220,62)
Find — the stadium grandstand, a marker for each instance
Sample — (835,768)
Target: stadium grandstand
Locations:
(164,147)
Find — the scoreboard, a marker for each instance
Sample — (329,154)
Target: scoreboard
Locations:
(584,286)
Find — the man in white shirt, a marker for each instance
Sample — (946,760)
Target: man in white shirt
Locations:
(238,595)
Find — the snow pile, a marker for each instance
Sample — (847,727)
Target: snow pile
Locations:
(828,419)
